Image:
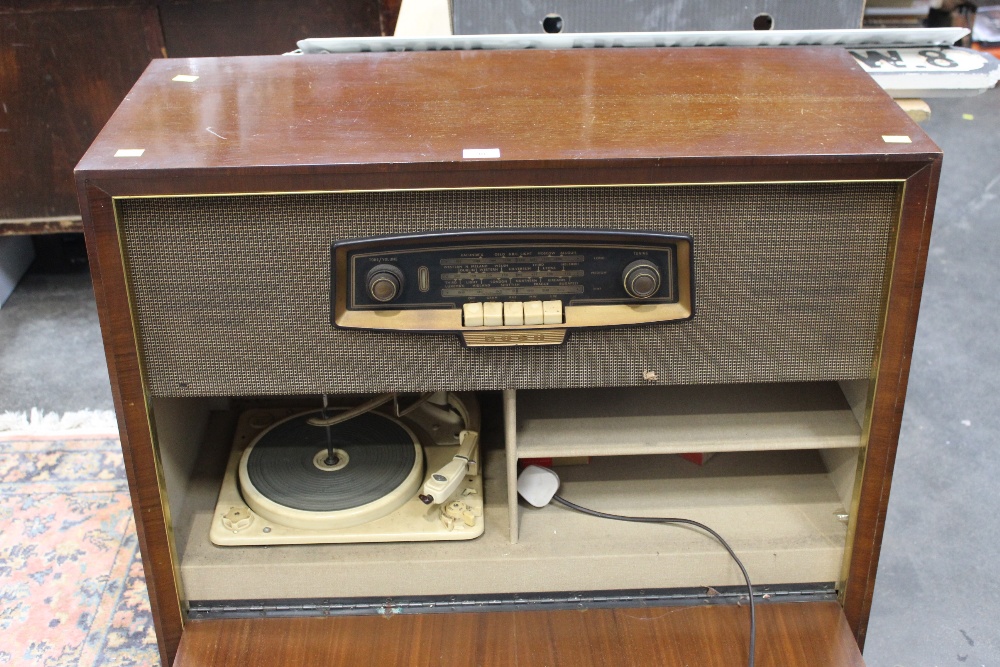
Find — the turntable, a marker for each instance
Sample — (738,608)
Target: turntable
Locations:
(374,472)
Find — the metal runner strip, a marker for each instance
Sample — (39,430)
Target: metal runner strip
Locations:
(213,609)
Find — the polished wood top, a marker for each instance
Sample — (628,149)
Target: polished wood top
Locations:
(384,111)
(812,634)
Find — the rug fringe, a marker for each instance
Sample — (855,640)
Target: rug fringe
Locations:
(39,422)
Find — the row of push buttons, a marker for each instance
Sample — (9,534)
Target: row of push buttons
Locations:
(512,313)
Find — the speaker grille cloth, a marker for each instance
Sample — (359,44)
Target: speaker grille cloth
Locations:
(232,293)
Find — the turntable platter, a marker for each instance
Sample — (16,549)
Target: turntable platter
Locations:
(286,476)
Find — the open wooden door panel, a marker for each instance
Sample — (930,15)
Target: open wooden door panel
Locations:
(795,634)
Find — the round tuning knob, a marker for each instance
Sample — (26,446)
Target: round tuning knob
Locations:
(385,282)
(642,279)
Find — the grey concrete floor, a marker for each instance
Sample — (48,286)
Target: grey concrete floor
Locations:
(937,597)
(937,594)
(51,355)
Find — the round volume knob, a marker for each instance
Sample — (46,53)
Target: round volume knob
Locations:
(385,282)
(642,279)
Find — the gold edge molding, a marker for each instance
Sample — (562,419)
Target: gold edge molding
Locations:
(449,321)
(859,475)
(508,187)
(150,420)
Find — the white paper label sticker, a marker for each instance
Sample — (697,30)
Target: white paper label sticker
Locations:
(185,78)
(129,152)
(896,139)
(480,153)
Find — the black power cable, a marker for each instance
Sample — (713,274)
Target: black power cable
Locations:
(687,522)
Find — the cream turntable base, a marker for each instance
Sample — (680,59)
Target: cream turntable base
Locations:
(295,478)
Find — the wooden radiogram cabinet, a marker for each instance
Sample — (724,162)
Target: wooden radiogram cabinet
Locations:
(211,200)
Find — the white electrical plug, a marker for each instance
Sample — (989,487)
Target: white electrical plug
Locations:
(537,485)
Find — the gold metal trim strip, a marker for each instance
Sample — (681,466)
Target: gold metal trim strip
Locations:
(509,187)
(859,475)
(150,421)
(450,320)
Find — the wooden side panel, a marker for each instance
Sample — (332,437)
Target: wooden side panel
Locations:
(62,74)
(261,27)
(811,634)
(890,391)
(108,274)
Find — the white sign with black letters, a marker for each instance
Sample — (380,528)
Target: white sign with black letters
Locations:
(941,71)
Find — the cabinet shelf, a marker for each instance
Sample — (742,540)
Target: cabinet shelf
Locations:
(779,510)
(680,419)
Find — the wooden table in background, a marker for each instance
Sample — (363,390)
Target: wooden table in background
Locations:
(65,66)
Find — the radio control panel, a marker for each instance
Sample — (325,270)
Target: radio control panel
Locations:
(511,287)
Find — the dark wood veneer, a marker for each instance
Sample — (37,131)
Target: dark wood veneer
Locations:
(260,27)
(65,65)
(913,238)
(420,110)
(53,102)
(401,120)
(790,635)
(129,397)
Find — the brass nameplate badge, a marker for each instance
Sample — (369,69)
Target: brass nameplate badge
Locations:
(507,338)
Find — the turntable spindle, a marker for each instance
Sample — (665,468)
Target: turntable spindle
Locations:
(331,455)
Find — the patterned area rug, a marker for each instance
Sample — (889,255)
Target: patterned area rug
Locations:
(72,590)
